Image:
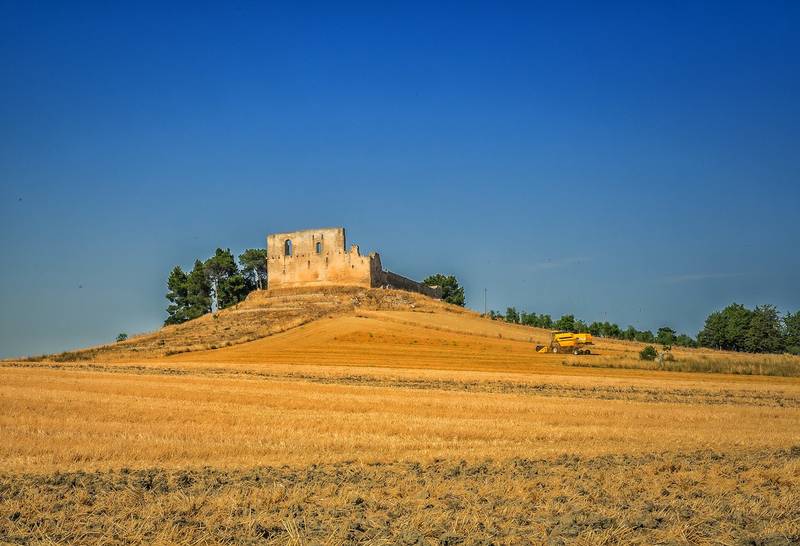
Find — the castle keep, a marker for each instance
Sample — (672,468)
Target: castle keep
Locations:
(320,257)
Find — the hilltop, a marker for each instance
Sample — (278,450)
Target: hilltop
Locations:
(384,327)
(263,313)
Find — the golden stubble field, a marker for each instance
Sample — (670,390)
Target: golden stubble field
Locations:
(394,426)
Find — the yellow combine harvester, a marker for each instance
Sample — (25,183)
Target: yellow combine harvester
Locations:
(567,342)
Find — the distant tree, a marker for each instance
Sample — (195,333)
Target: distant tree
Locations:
(764,333)
(648,353)
(545,321)
(791,329)
(254,266)
(528,319)
(122,337)
(645,336)
(713,332)
(737,323)
(451,291)
(665,336)
(629,333)
(512,315)
(198,292)
(177,296)
(233,289)
(219,268)
(682,340)
(613,330)
(737,328)
(566,323)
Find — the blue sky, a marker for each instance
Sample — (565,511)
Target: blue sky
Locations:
(634,162)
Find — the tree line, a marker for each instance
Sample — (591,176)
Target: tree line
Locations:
(735,328)
(759,330)
(568,323)
(215,283)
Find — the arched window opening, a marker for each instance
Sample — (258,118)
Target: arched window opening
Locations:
(287,247)
(319,247)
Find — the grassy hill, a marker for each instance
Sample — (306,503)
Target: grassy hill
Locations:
(350,326)
(263,313)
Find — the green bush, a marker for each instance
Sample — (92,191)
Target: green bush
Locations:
(122,337)
(648,353)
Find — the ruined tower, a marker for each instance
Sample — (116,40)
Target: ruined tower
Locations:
(320,257)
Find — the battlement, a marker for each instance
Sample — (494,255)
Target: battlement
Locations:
(319,257)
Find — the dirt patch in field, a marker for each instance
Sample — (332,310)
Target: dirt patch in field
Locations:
(665,498)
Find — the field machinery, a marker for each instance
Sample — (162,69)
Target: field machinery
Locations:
(567,342)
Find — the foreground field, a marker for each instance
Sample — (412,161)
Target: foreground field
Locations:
(666,498)
(289,454)
(380,417)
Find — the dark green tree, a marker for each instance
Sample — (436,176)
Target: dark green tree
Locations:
(648,353)
(645,336)
(528,319)
(177,296)
(566,323)
(737,323)
(683,340)
(512,315)
(791,332)
(254,266)
(764,332)
(198,292)
(219,268)
(544,321)
(713,332)
(665,336)
(451,291)
(233,289)
(629,333)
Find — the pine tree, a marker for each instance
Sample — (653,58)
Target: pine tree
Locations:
(254,266)
(218,269)
(177,295)
(198,292)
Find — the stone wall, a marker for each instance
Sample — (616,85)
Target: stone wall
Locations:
(319,257)
(398,281)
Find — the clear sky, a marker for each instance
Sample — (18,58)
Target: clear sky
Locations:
(633,162)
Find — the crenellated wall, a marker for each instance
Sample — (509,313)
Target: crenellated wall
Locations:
(319,257)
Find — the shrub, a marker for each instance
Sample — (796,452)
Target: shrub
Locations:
(648,353)
(122,337)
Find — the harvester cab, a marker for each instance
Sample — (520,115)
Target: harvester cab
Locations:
(567,342)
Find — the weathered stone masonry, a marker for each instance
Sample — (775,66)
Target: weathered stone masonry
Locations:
(319,257)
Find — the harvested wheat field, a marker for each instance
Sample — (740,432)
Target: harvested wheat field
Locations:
(353,416)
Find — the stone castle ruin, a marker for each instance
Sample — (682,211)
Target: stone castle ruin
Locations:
(319,257)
